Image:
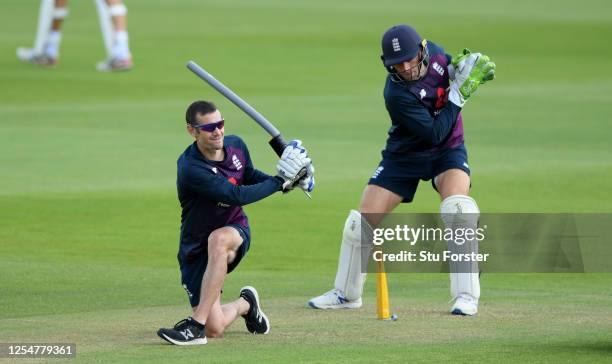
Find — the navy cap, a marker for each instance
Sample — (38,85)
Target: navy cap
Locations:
(400,43)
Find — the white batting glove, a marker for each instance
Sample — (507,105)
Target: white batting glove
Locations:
(292,161)
(307,183)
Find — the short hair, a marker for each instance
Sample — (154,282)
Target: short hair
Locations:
(198,107)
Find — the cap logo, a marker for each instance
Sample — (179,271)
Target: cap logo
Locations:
(396,45)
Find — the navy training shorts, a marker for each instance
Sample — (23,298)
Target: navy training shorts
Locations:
(192,271)
(402,177)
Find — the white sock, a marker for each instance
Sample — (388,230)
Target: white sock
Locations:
(121,50)
(53,42)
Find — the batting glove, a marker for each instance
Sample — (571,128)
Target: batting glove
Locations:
(307,183)
(291,162)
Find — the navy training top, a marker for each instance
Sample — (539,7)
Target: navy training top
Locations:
(423,121)
(212,193)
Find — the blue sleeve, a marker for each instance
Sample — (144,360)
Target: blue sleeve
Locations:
(414,117)
(252,175)
(219,189)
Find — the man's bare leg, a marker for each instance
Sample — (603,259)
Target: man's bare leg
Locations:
(209,316)
(222,316)
(222,246)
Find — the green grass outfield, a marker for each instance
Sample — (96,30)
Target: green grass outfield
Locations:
(88,211)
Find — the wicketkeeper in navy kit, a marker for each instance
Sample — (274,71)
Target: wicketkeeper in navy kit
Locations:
(424,93)
(215,178)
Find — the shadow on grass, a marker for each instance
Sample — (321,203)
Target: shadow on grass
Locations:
(604,347)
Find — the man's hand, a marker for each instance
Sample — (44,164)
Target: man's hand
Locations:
(484,70)
(293,160)
(307,183)
(470,70)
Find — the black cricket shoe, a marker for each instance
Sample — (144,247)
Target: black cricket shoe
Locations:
(255,320)
(185,332)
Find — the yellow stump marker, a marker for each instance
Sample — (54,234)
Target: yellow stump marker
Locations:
(382,293)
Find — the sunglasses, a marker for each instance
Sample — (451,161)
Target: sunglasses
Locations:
(210,127)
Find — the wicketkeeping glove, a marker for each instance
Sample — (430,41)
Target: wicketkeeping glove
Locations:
(470,70)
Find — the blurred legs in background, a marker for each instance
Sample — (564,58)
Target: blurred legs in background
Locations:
(113,23)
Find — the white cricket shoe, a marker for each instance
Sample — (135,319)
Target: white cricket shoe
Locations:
(465,305)
(28,55)
(115,64)
(333,299)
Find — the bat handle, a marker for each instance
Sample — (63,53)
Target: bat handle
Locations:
(278,144)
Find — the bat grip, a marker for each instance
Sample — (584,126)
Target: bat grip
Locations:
(278,144)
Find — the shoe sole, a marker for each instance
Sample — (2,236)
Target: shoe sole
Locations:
(110,70)
(25,55)
(458,312)
(103,67)
(200,341)
(334,307)
(252,289)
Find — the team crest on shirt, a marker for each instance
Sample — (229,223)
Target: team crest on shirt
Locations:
(438,68)
(236,162)
(214,169)
(423,93)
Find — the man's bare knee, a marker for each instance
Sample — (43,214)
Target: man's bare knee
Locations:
(452,182)
(378,200)
(219,243)
(214,332)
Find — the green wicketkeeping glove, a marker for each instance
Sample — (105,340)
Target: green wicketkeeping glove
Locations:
(459,60)
(484,70)
(470,70)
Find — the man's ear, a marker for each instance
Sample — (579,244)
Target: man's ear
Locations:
(191,130)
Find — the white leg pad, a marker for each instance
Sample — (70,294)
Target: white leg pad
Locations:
(349,278)
(460,211)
